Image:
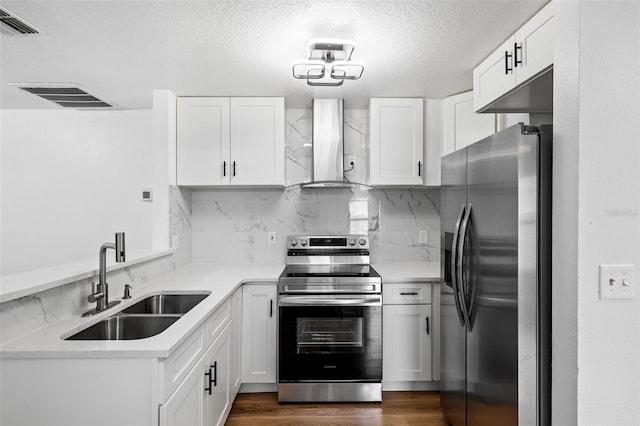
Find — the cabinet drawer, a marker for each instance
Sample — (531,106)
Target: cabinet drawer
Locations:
(406,294)
(216,322)
(174,369)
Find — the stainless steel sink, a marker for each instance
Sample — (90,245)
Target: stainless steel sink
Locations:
(126,327)
(160,304)
(148,317)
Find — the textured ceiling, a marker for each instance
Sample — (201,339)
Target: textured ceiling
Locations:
(122,50)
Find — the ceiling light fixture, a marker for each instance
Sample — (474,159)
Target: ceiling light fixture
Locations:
(329,63)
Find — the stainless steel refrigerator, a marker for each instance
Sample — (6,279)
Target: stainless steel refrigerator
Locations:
(495,296)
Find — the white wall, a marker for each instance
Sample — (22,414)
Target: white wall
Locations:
(609,210)
(596,343)
(564,366)
(70,180)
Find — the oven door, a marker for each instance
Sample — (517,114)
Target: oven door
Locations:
(334,338)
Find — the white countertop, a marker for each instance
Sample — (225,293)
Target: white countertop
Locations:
(220,280)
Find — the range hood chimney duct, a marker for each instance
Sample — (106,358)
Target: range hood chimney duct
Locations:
(328,140)
(328,146)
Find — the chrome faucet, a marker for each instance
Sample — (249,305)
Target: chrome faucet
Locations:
(100,294)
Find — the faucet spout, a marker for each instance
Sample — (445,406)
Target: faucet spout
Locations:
(100,294)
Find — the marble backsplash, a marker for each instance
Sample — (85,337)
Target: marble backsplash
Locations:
(231,225)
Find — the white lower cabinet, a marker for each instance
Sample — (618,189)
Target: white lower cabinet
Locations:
(407,332)
(203,397)
(259,333)
(128,391)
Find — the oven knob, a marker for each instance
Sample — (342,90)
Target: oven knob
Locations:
(352,241)
(293,243)
(303,242)
(362,241)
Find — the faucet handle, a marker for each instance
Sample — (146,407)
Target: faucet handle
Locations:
(94,296)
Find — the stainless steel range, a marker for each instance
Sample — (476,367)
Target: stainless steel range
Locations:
(330,324)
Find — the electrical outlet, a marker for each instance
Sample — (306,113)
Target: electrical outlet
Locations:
(175,241)
(272,237)
(423,237)
(617,282)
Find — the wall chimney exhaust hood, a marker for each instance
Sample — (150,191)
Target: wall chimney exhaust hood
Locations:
(327,169)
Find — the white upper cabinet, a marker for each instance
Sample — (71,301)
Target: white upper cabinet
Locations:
(204,135)
(461,126)
(257,141)
(396,141)
(523,55)
(230,141)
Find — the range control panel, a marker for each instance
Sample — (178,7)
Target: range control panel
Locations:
(331,242)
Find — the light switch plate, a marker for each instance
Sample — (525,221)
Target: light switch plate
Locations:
(272,237)
(617,282)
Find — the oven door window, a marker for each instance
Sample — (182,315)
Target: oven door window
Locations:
(329,335)
(330,343)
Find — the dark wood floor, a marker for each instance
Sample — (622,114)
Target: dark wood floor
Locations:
(397,408)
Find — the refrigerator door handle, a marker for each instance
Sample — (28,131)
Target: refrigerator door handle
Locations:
(454,267)
(466,308)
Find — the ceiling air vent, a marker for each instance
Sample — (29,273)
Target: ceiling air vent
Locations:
(12,25)
(65,95)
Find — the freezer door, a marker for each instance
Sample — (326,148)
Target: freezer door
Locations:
(452,344)
(490,277)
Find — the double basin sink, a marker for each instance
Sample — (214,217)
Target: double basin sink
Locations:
(148,317)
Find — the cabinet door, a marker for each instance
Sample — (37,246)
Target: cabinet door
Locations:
(535,39)
(462,126)
(217,404)
(257,141)
(186,405)
(396,141)
(406,348)
(259,313)
(494,76)
(203,136)
(236,341)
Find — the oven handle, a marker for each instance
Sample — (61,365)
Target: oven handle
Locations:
(333,300)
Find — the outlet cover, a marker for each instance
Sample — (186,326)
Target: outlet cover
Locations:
(272,237)
(175,241)
(423,237)
(617,282)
